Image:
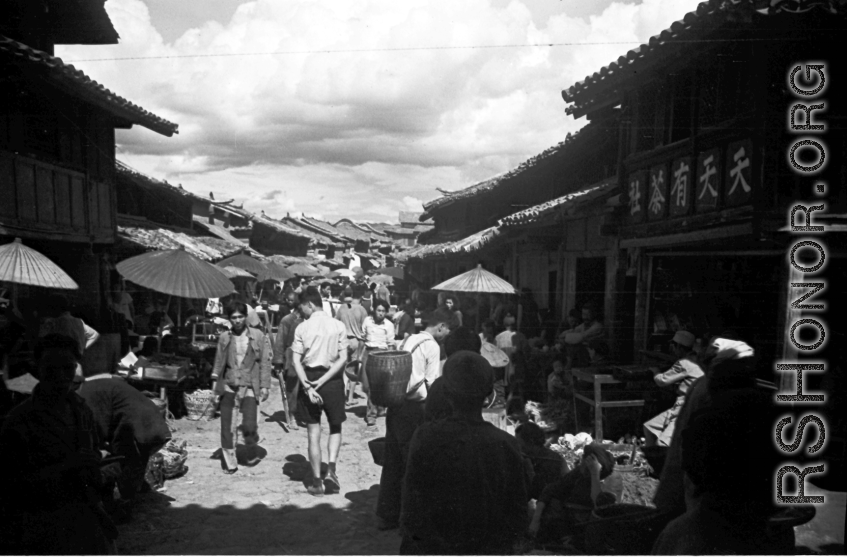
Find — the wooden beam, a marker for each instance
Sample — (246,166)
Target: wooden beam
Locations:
(745,229)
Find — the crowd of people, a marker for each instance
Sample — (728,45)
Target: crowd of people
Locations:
(451,482)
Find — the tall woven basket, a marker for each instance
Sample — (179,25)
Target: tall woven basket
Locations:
(388,376)
(200,404)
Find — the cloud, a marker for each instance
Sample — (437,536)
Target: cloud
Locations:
(372,123)
(412,204)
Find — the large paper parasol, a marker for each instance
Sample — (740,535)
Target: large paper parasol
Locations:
(23,265)
(476,281)
(275,272)
(396,272)
(176,273)
(233,272)
(342,273)
(302,270)
(244,262)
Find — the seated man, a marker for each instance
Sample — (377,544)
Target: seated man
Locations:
(592,484)
(465,486)
(50,469)
(128,424)
(547,465)
(659,429)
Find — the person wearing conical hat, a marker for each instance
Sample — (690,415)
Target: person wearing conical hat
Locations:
(658,431)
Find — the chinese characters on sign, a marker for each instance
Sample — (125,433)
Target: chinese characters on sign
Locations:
(657,205)
(636,194)
(718,178)
(739,179)
(680,195)
(708,180)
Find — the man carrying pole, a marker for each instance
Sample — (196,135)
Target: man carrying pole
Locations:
(319,354)
(283,360)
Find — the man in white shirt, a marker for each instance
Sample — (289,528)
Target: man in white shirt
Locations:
(401,422)
(319,354)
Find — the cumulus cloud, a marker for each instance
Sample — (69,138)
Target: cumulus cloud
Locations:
(357,131)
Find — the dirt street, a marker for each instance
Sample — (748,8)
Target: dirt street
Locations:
(264,509)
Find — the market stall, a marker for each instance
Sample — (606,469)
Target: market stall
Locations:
(179,274)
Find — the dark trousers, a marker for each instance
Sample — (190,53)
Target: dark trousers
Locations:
(249,424)
(400,425)
(291,385)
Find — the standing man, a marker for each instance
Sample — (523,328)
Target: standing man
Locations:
(242,374)
(283,361)
(319,354)
(401,422)
(326,293)
(352,314)
(61,322)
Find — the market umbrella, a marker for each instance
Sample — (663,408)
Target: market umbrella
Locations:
(302,270)
(244,262)
(275,272)
(233,272)
(476,281)
(23,265)
(396,272)
(384,279)
(176,273)
(349,273)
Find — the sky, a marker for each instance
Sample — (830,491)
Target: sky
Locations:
(354,108)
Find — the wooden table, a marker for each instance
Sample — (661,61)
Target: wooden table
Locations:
(161,385)
(598,378)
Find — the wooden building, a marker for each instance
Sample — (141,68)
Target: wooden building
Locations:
(57,144)
(703,172)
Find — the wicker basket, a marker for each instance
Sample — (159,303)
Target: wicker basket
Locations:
(388,376)
(624,529)
(200,404)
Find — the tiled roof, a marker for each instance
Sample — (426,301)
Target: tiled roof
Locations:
(308,231)
(349,229)
(323,226)
(586,133)
(470,244)
(217,230)
(75,82)
(281,227)
(536,213)
(708,16)
(204,247)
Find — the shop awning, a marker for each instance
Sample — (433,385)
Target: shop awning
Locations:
(469,244)
(559,205)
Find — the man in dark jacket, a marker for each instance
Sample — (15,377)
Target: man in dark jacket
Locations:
(283,359)
(128,424)
(465,490)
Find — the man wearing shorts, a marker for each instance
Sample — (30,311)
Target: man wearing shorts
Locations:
(320,353)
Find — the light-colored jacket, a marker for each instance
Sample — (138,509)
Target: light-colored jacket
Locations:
(255,369)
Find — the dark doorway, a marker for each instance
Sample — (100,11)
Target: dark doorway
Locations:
(553,290)
(591,282)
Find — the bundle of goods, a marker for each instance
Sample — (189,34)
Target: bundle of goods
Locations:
(200,404)
(174,456)
(167,463)
(166,367)
(549,416)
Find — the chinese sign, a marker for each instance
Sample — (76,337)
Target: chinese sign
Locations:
(637,196)
(721,177)
(657,203)
(681,180)
(738,183)
(708,181)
